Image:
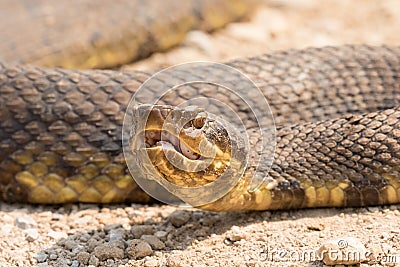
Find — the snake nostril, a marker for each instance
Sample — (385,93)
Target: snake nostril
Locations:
(199,120)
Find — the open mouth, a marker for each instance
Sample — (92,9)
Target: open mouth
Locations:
(167,140)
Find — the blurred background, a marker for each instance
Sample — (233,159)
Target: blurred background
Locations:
(284,24)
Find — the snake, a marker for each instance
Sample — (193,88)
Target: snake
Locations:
(336,111)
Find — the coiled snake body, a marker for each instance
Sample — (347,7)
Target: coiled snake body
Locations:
(336,110)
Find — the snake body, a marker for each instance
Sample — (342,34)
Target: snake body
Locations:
(336,110)
(102,34)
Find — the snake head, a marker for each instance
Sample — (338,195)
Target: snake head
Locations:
(186,146)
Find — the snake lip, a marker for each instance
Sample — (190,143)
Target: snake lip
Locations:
(167,140)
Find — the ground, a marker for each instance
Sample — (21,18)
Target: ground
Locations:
(136,235)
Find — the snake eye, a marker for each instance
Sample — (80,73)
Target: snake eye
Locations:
(199,120)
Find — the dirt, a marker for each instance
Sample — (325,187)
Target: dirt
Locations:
(160,235)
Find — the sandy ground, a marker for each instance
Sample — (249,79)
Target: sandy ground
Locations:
(136,235)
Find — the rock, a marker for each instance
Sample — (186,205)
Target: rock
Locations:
(53,256)
(70,244)
(57,235)
(83,257)
(94,261)
(153,241)
(31,234)
(78,248)
(56,216)
(179,217)
(151,263)
(210,220)
(315,227)
(138,230)
(117,234)
(108,251)
(41,257)
(75,263)
(162,235)
(150,221)
(373,209)
(343,250)
(85,237)
(25,222)
(138,249)
(236,234)
(93,243)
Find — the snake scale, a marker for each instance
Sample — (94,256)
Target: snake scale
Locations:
(337,112)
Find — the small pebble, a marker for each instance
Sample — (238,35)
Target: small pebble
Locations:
(83,257)
(236,234)
(373,209)
(31,234)
(138,230)
(150,221)
(41,257)
(138,249)
(162,235)
(179,217)
(78,248)
(56,216)
(315,227)
(84,238)
(53,256)
(75,263)
(70,244)
(93,243)
(25,222)
(57,235)
(284,215)
(117,234)
(94,261)
(151,263)
(153,241)
(108,251)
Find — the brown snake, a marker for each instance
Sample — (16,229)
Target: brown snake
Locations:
(336,110)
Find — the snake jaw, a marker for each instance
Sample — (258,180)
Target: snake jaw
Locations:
(185,146)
